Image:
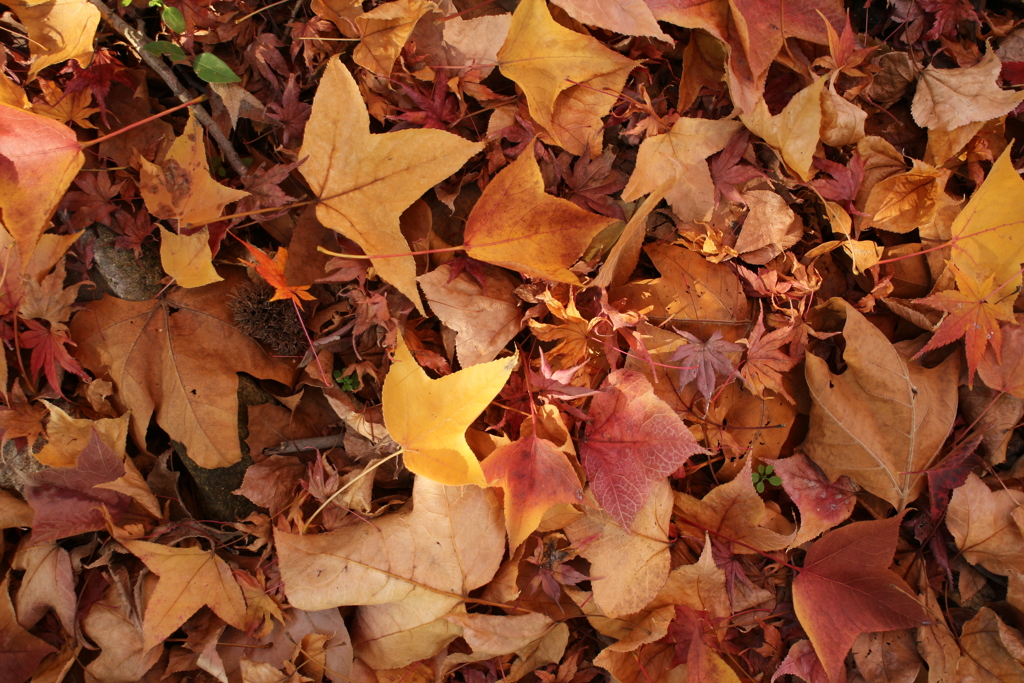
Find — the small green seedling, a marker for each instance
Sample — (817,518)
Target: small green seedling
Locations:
(764,474)
(347,383)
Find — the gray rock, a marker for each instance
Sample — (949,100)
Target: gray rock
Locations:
(117,272)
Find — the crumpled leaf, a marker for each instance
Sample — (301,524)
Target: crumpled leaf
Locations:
(429,417)
(770,228)
(364,181)
(883,420)
(848,570)
(950,98)
(571,80)
(182,188)
(629,17)
(991,650)
(634,441)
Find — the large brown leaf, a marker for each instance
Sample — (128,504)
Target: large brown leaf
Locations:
(177,357)
(883,420)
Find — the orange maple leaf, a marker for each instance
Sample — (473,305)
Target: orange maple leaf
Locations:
(273,272)
(970,314)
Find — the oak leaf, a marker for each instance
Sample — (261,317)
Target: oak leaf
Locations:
(384,31)
(190,578)
(883,420)
(823,504)
(182,188)
(681,154)
(57,31)
(516,225)
(484,314)
(535,476)
(633,564)
(188,258)
(634,440)
(40,159)
(950,98)
(177,358)
(365,181)
(571,80)
(846,588)
(971,314)
(794,132)
(733,514)
(986,526)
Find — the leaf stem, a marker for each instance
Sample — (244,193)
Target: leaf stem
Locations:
(344,488)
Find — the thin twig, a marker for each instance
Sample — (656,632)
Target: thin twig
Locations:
(138,41)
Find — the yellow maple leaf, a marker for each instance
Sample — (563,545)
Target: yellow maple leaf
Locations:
(795,131)
(571,80)
(57,31)
(384,30)
(190,578)
(188,258)
(428,418)
(364,182)
(182,188)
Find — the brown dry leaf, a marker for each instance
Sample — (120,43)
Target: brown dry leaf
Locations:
(48,583)
(182,188)
(842,121)
(534,637)
(57,31)
(448,541)
(887,656)
(384,31)
(178,358)
(516,225)
(793,133)
(14,511)
(733,512)
(188,258)
(190,578)
(950,98)
(907,201)
(571,80)
(991,651)
(485,316)
(625,254)
(113,626)
(771,227)
(633,566)
(68,436)
(397,634)
(628,17)
(681,155)
(20,651)
(364,181)
(986,526)
(883,420)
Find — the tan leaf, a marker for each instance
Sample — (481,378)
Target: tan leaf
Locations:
(625,254)
(384,30)
(793,133)
(991,651)
(628,17)
(68,436)
(950,98)
(188,258)
(14,511)
(906,201)
(111,625)
(771,227)
(48,583)
(364,182)
(571,80)
(883,420)
(986,526)
(57,31)
(842,121)
(681,154)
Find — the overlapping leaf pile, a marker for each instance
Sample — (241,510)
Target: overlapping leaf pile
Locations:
(631,340)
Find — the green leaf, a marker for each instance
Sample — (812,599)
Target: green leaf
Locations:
(212,69)
(174,19)
(163,47)
(760,487)
(769,469)
(775,481)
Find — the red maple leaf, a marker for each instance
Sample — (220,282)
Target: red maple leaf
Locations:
(765,361)
(635,440)
(702,360)
(103,70)
(971,314)
(291,112)
(93,203)
(134,230)
(48,351)
(727,171)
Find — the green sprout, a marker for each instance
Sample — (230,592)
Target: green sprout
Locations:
(347,383)
(764,474)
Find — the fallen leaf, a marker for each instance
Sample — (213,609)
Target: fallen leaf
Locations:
(883,420)
(802,661)
(703,360)
(485,315)
(429,417)
(57,31)
(681,155)
(823,504)
(177,358)
(40,159)
(182,188)
(68,436)
(48,583)
(765,363)
(20,651)
(384,31)
(111,624)
(449,541)
(887,656)
(846,588)
(624,256)
(950,98)
(986,526)
(793,133)
(14,512)
(770,228)
(629,17)
(65,500)
(273,271)
(188,258)
(1002,368)
(634,441)
(518,226)
(571,80)
(732,513)
(633,565)
(991,650)
(365,181)
(906,201)
(535,476)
